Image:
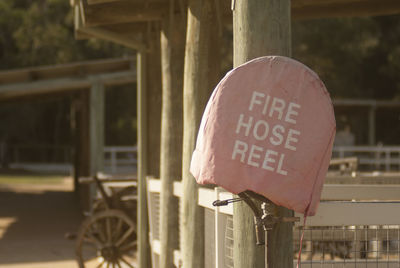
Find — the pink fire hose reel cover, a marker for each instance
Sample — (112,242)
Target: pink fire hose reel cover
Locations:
(268,127)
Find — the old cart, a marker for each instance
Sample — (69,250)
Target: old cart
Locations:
(107,237)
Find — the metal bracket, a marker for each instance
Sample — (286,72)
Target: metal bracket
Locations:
(269,220)
(264,217)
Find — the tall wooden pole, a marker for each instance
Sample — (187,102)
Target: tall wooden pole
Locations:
(261,27)
(96,132)
(149,127)
(196,93)
(142,218)
(97,93)
(173,34)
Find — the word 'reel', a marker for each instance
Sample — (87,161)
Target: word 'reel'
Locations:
(261,130)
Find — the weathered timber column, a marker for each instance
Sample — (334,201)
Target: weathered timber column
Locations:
(196,93)
(142,218)
(149,127)
(154,96)
(97,92)
(173,34)
(261,27)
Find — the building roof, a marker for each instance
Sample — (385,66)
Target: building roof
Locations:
(126,21)
(65,77)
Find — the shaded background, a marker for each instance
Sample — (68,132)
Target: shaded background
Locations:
(355,57)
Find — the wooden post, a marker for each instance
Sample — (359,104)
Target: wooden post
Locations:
(172,57)
(96,132)
(153,97)
(196,93)
(261,27)
(96,127)
(142,218)
(149,127)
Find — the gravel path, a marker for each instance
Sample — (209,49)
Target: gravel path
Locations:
(33,222)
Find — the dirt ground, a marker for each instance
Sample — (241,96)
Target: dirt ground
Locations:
(33,222)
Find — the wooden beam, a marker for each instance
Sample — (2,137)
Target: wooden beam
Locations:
(78,21)
(93,2)
(128,29)
(365,178)
(77,69)
(334,9)
(360,192)
(132,38)
(332,213)
(122,12)
(261,27)
(108,35)
(303,3)
(172,58)
(52,86)
(366,103)
(107,12)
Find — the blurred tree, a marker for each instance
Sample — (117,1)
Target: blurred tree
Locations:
(336,49)
(41,32)
(355,57)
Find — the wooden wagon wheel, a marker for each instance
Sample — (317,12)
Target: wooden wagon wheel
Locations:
(107,239)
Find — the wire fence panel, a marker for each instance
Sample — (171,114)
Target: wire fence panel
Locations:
(349,246)
(209,239)
(229,242)
(343,234)
(154,217)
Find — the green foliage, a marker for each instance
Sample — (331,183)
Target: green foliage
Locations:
(41,32)
(355,57)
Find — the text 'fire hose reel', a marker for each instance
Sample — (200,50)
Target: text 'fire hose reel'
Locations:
(266,135)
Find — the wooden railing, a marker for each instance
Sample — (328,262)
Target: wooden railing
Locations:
(371,157)
(116,157)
